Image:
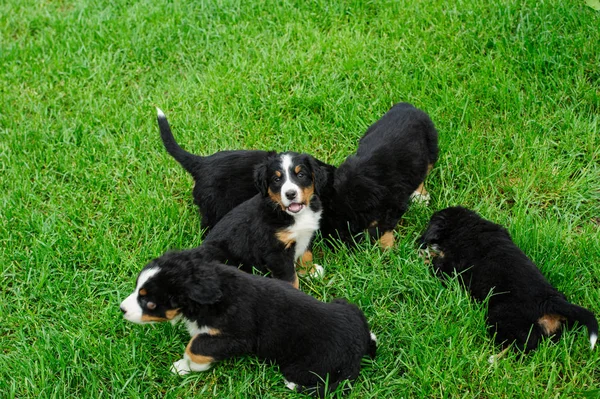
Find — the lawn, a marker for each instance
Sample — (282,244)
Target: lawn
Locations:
(88,194)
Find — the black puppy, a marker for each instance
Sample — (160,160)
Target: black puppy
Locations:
(230,313)
(223,180)
(523,306)
(372,189)
(274,228)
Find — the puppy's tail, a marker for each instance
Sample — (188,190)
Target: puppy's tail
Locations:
(372,346)
(189,161)
(574,313)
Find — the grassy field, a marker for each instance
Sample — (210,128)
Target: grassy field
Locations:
(88,195)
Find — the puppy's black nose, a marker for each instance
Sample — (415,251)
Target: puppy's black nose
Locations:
(122,309)
(291,194)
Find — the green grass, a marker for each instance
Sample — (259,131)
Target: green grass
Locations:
(88,195)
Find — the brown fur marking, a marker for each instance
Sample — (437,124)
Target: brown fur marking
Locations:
(297,169)
(170,314)
(550,323)
(286,238)
(197,358)
(421,189)
(143,292)
(307,193)
(276,197)
(305,263)
(429,167)
(277,173)
(387,240)
(296,282)
(147,317)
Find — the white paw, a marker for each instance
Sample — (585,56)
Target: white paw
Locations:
(181,367)
(318,271)
(419,198)
(289,385)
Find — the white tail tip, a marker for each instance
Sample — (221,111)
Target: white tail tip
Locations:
(593,339)
(160,113)
(373,338)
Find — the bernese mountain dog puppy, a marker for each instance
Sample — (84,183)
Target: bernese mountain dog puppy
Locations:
(372,189)
(274,228)
(223,180)
(230,313)
(523,307)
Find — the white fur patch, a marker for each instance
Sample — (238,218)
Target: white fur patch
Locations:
(194,329)
(288,185)
(160,113)
(373,337)
(593,339)
(290,385)
(132,310)
(185,365)
(305,225)
(419,198)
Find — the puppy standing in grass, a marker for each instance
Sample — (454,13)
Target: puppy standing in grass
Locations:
(523,307)
(222,180)
(230,313)
(372,189)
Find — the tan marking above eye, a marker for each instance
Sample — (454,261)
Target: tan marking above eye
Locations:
(151,305)
(297,169)
(277,173)
(143,292)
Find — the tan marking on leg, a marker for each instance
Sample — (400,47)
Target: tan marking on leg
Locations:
(429,167)
(305,263)
(551,323)
(276,197)
(421,189)
(386,241)
(296,282)
(286,238)
(197,358)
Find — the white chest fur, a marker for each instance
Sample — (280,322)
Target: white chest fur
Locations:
(305,225)
(194,329)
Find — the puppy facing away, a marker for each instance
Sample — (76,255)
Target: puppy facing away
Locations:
(223,180)
(523,307)
(273,229)
(372,189)
(231,313)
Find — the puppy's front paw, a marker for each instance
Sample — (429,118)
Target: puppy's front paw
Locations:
(420,198)
(181,367)
(290,385)
(317,272)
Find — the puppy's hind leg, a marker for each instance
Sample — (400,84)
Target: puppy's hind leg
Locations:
(421,195)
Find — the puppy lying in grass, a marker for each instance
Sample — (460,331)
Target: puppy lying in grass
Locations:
(231,313)
(523,307)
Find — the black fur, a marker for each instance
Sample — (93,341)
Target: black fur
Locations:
(489,262)
(375,184)
(311,341)
(223,180)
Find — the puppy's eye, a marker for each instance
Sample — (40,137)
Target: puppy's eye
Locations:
(301,175)
(276,179)
(151,305)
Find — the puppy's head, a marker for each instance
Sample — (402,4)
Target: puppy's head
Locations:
(169,286)
(445,224)
(290,180)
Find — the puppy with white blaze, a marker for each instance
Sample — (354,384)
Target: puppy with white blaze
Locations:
(231,313)
(522,307)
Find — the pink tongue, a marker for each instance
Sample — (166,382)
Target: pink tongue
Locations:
(294,207)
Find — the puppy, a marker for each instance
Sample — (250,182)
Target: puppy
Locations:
(223,180)
(274,228)
(372,189)
(523,306)
(230,313)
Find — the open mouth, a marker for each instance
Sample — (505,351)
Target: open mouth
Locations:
(295,207)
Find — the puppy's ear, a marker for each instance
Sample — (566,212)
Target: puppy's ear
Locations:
(204,287)
(319,171)
(260,179)
(434,231)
